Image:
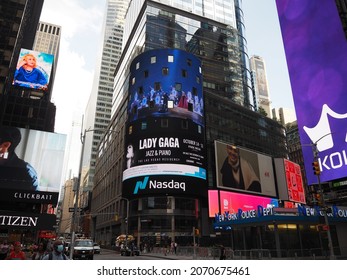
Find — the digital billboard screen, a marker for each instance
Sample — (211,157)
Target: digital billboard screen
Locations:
(316,52)
(31,164)
(165,138)
(289,181)
(33,70)
(232,202)
(243,170)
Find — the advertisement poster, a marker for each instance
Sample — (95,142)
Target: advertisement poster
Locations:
(33,70)
(316,52)
(31,164)
(165,151)
(232,202)
(243,170)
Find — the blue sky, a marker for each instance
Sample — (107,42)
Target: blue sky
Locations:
(81,22)
(264,39)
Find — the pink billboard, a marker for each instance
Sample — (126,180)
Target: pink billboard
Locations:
(232,202)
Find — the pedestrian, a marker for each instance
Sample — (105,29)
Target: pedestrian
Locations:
(57,253)
(17,253)
(39,253)
(4,249)
(175,248)
(222,253)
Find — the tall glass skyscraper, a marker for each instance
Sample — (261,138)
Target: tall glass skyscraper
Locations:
(211,31)
(98,111)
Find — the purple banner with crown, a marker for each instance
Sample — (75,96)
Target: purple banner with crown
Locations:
(316,51)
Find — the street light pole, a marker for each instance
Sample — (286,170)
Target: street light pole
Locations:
(322,201)
(126,223)
(73,223)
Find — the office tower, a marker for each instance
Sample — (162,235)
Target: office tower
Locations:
(98,111)
(158,36)
(258,70)
(18,21)
(47,40)
(283,115)
(21,106)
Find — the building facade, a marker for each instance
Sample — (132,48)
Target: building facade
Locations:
(258,69)
(199,30)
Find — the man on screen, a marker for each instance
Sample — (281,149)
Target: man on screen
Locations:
(14,172)
(238,173)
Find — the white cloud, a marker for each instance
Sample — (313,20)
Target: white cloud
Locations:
(81,22)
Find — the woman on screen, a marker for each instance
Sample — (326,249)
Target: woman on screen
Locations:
(28,75)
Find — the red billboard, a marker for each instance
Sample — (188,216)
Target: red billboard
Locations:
(289,180)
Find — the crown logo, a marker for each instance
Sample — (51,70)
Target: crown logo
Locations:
(323,129)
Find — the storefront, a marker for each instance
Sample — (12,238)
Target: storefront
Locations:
(284,232)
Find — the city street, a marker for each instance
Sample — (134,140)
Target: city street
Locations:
(112,255)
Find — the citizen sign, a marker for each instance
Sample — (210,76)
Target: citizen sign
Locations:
(20,221)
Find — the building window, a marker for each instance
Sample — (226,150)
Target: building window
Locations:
(146,73)
(170,104)
(153,59)
(137,65)
(184,124)
(170,58)
(194,91)
(130,130)
(157,86)
(164,123)
(197,80)
(133,81)
(143,125)
(189,62)
(178,86)
(165,71)
(184,73)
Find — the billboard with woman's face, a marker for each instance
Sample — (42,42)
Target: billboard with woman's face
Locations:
(33,70)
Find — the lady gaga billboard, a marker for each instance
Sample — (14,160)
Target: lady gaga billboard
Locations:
(316,51)
(165,138)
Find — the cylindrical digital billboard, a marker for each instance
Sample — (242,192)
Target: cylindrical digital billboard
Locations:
(165,137)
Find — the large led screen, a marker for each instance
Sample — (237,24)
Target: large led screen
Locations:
(316,52)
(31,164)
(33,70)
(232,202)
(289,181)
(243,170)
(165,138)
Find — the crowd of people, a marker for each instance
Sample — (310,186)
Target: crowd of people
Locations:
(42,251)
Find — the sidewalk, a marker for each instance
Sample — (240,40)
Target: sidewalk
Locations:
(168,256)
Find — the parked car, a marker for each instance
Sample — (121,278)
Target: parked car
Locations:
(83,249)
(96,248)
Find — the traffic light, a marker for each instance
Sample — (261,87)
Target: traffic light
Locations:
(316,168)
(196,232)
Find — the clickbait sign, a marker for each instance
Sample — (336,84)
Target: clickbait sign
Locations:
(241,215)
